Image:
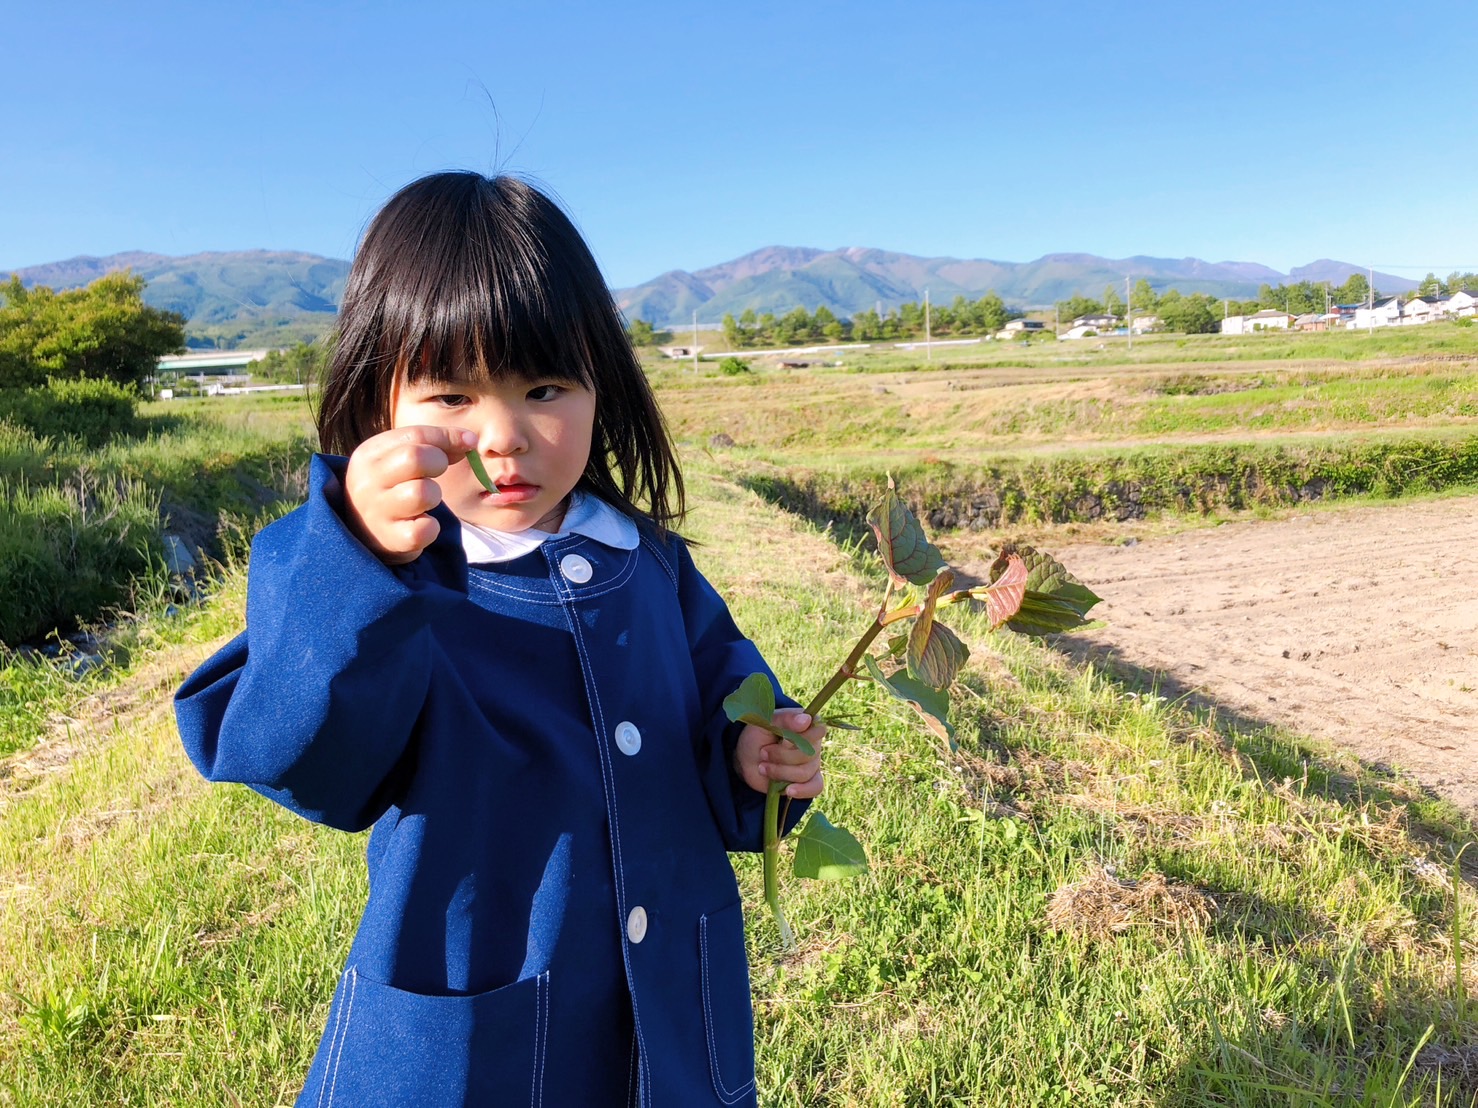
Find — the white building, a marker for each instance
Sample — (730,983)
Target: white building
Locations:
(1385,314)
(1268,320)
(1462,303)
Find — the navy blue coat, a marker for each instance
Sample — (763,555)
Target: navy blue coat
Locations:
(552,918)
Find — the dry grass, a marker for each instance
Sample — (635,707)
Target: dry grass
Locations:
(1101,904)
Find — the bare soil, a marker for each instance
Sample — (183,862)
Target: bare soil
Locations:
(1358,627)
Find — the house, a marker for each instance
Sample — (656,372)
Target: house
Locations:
(1097,322)
(1424,309)
(1385,314)
(1267,320)
(1313,321)
(1080,331)
(1145,323)
(1021,328)
(1462,303)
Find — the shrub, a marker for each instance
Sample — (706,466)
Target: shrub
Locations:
(732,367)
(90,411)
(70,551)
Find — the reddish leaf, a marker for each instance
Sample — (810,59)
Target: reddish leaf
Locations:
(1004,595)
(1054,601)
(935,653)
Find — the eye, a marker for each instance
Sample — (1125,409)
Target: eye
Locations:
(450,400)
(546,392)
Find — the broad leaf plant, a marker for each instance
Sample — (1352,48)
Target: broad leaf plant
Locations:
(1028,592)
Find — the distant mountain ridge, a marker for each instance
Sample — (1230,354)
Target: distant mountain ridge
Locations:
(269,297)
(237,297)
(778,278)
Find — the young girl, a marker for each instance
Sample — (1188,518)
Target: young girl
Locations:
(521,690)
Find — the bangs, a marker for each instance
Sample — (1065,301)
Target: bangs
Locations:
(483,287)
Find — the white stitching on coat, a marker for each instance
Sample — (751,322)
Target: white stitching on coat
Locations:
(718,1082)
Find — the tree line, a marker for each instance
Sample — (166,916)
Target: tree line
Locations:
(103,332)
(960,318)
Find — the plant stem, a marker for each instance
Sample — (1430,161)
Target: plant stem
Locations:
(772,862)
(774,819)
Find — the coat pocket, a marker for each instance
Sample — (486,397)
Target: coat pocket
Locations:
(385,1046)
(728,1014)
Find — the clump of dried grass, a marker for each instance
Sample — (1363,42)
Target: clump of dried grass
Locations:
(1101,905)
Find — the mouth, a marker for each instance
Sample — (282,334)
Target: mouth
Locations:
(510,491)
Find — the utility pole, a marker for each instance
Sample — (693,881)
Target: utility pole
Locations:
(928,339)
(695,340)
(1129,311)
(1370,303)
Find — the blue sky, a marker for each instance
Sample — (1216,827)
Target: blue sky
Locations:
(682,135)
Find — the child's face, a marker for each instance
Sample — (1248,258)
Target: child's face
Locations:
(533,435)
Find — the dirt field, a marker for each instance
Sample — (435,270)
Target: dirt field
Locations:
(1359,627)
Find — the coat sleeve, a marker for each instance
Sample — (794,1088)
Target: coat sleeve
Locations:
(722,659)
(314,704)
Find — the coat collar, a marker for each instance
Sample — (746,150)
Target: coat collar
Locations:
(588,515)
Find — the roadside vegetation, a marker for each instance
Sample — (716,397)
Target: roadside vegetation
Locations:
(1101,898)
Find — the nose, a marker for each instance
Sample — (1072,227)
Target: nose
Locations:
(501,430)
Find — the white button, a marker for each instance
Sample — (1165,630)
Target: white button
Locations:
(576,568)
(636,924)
(628,738)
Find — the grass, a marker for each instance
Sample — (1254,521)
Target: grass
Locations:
(81,527)
(167,942)
(1444,339)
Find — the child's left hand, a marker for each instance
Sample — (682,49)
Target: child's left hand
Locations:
(762,757)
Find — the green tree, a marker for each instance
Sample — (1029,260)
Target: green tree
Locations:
(1356,290)
(641,333)
(1113,303)
(1143,298)
(1429,287)
(1191,315)
(991,313)
(824,324)
(104,331)
(1075,306)
(299,364)
(733,335)
(867,326)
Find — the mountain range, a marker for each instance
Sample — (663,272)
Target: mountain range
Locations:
(272,297)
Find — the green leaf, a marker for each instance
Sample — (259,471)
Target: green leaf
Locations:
(935,653)
(480,471)
(1054,600)
(906,553)
(826,852)
(754,702)
(931,704)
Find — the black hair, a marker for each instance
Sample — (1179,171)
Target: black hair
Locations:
(462,276)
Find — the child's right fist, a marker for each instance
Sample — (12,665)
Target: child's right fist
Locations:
(389,487)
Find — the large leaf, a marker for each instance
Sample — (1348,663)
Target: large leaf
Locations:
(1054,600)
(826,852)
(935,653)
(1004,595)
(754,702)
(931,704)
(906,553)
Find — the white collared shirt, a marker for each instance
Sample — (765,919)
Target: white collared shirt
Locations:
(587,515)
